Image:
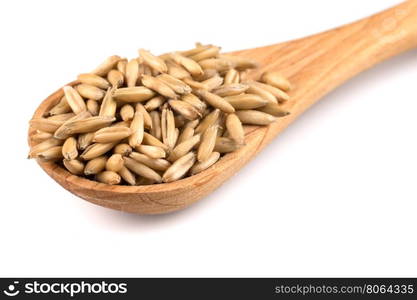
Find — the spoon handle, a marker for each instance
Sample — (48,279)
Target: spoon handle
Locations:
(318,64)
(344,52)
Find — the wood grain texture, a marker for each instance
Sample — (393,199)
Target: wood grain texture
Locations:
(315,65)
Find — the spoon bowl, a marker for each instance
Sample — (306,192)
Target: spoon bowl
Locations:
(315,65)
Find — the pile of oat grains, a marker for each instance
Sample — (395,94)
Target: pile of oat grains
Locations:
(156,119)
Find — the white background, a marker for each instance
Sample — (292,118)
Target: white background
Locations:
(334,195)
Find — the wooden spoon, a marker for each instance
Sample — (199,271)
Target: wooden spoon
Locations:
(315,65)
